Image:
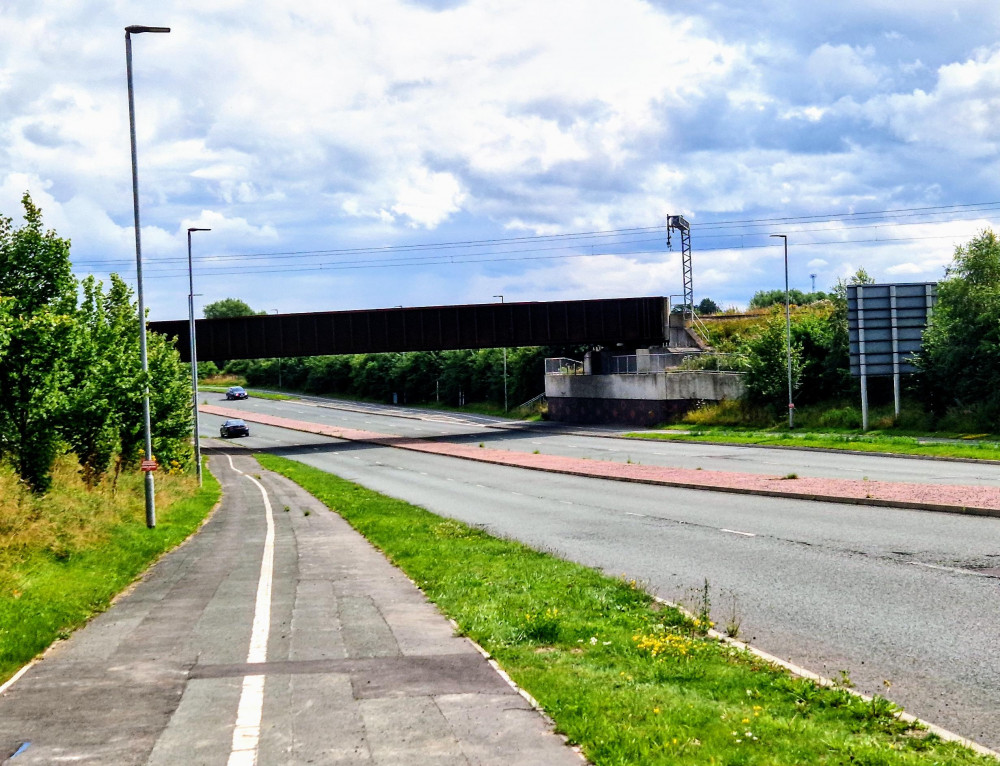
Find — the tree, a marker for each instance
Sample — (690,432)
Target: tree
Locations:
(960,357)
(92,422)
(708,306)
(228,308)
(767,366)
(37,284)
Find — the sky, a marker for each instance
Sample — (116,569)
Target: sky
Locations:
(374,153)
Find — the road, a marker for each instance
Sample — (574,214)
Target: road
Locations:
(909,597)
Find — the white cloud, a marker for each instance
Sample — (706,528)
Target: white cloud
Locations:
(842,69)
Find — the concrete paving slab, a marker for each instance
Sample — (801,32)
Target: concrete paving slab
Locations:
(360,668)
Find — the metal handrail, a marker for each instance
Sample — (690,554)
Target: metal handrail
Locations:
(700,328)
(561,365)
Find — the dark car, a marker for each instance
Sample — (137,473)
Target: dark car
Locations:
(234,427)
(237,392)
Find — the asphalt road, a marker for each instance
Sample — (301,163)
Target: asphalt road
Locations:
(883,594)
(550,439)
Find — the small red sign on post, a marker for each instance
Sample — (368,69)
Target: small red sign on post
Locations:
(149,465)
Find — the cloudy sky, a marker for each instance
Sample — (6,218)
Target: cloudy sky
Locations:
(367,153)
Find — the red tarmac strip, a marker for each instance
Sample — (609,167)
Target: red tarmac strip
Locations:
(979,501)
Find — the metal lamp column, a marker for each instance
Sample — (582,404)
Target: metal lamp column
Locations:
(150,493)
(504,367)
(788,337)
(194,358)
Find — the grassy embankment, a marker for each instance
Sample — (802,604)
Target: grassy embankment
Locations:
(64,556)
(833,425)
(629,681)
(211,388)
(869,442)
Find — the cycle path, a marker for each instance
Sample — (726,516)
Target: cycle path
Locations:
(275,635)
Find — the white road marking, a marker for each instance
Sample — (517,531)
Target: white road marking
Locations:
(737,532)
(639,515)
(246,734)
(954,570)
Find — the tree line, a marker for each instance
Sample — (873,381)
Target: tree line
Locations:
(70,372)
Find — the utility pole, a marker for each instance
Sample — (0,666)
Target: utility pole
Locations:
(504,367)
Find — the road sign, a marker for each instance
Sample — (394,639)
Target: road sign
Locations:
(149,465)
(886,324)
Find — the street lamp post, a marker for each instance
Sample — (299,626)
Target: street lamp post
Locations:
(279,359)
(504,367)
(788,337)
(150,493)
(194,358)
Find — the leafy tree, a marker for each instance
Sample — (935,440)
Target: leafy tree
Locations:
(92,421)
(40,292)
(228,308)
(767,366)
(960,358)
(708,306)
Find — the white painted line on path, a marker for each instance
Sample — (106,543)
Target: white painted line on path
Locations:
(737,532)
(638,515)
(246,734)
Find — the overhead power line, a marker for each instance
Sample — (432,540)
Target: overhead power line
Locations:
(621,242)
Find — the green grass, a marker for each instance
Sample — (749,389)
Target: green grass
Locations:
(253,394)
(630,682)
(51,584)
(899,445)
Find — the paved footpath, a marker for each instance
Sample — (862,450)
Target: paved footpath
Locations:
(950,498)
(281,641)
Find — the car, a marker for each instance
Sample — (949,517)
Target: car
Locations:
(237,392)
(234,427)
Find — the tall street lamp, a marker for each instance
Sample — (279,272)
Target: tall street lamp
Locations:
(279,359)
(150,494)
(194,357)
(788,337)
(504,367)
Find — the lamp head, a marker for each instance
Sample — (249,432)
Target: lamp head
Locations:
(197,229)
(137,29)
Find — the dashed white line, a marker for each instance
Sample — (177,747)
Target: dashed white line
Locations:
(638,515)
(953,570)
(737,532)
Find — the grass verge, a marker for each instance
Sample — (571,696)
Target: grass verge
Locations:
(629,682)
(253,393)
(898,445)
(64,556)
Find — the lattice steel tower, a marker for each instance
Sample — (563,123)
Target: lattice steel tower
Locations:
(679,223)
